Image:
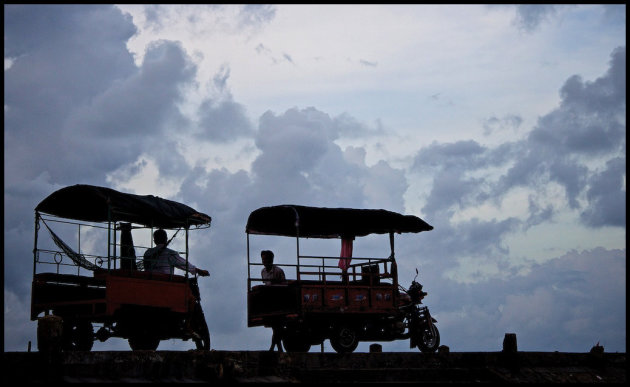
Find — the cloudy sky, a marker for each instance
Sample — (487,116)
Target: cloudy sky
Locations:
(504,127)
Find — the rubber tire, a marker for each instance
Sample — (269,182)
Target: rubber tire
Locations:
(143,341)
(344,340)
(78,335)
(429,343)
(295,343)
(201,328)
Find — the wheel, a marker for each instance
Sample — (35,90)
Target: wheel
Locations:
(296,343)
(344,340)
(201,335)
(144,341)
(429,339)
(78,335)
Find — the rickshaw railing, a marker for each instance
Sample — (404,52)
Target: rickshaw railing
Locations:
(328,273)
(46,257)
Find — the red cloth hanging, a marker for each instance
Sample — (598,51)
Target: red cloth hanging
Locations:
(346,254)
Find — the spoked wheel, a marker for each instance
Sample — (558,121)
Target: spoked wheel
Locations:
(201,335)
(78,335)
(144,340)
(294,342)
(429,339)
(344,339)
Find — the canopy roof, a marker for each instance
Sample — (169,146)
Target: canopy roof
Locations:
(322,222)
(91,203)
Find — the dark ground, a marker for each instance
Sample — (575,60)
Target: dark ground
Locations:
(261,366)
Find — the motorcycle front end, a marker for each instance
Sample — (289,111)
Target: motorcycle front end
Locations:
(423,332)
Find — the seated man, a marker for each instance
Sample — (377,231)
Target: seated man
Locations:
(161,259)
(271,273)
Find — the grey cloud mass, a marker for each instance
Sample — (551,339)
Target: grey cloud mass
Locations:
(78,111)
(588,123)
(530,16)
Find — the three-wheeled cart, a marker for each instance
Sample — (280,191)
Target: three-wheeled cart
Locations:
(342,298)
(86,272)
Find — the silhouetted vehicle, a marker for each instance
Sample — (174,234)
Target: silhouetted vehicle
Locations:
(344,299)
(100,281)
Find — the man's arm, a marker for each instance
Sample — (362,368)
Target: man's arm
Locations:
(180,263)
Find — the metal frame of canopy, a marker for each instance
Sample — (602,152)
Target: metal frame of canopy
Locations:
(324,222)
(95,206)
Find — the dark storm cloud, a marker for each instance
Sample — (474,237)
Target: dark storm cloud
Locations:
(587,126)
(142,105)
(607,196)
(256,14)
(530,16)
(566,304)
(450,164)
(64,57)
(221,119)
(88,111)
(300,160)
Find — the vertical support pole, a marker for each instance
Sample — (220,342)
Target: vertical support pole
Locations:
(109,238)
(297,241)
(114,245)
(393,268)
(186,252)
(35,243)
(79,247)
(249,274)
(391,244)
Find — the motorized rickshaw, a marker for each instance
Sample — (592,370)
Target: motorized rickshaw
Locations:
(343,298)
(96,277)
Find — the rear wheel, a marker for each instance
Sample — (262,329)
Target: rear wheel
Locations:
(144,340)
(78,335)
(344,339)
(296,343)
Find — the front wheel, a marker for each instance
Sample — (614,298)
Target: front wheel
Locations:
(201,334)
(429,339)
(78,335)
(344,340)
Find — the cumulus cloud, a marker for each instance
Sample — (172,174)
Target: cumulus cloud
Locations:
(37,105)
(588,125)
(99,112)
(223,121)
(607,196)
(580,295)
(530,16)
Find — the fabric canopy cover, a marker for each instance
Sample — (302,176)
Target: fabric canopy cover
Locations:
(322,222)
(91,203)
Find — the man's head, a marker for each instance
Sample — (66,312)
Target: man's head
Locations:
(267,258)
(159,237)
